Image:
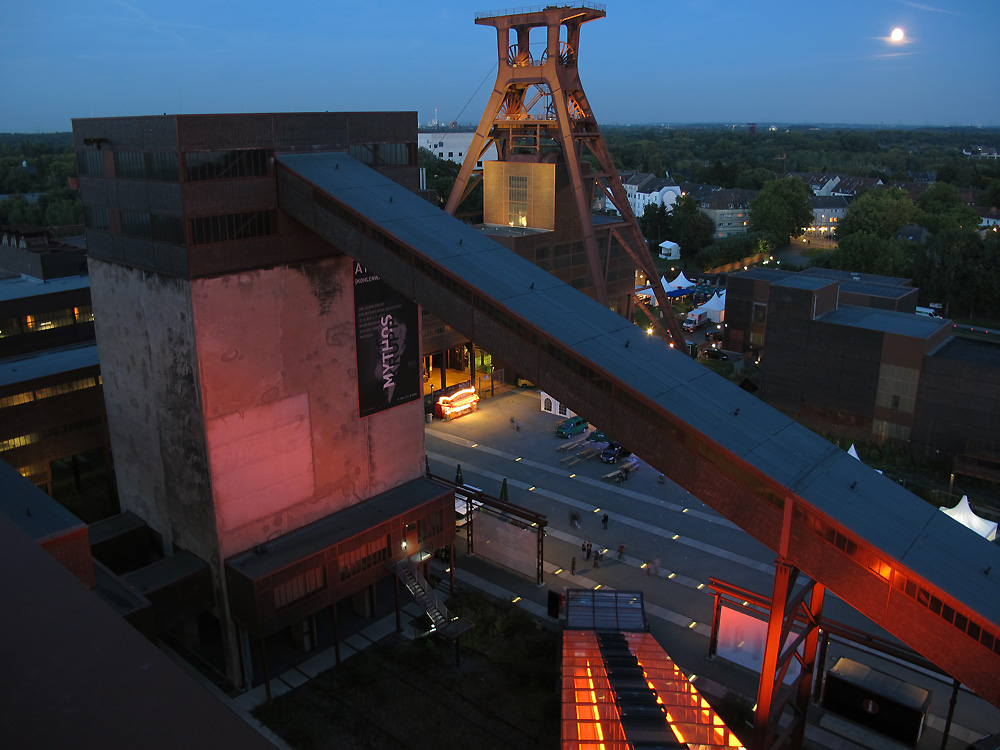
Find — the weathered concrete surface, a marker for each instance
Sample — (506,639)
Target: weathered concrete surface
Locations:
(276,358)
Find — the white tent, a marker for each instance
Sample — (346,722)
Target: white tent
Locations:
(852,452)
(670,250)
(681,282)
(716,307)
(964,514)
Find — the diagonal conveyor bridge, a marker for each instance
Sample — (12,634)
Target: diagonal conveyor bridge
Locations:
(909,568)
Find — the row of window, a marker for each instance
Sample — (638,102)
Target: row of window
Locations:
(144,165)
(220,165)
(156,227)
(228,227)
(35,437)
(299,587)
(225,165)
(364,558)
(45,321)
(875,564)
(55,390)
(383,154)
(430,527)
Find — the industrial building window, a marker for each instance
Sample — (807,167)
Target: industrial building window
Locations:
(45,321)
(96,217)
(364,154)
(431,526)
(168,229)
(136,224)
(18,442)
(759,314)
(91,163)
(56,390)
(137,165)
(299,587)
(130,165)
(165,167)
(364,557)
(227,227)
(517,200)
(226,165)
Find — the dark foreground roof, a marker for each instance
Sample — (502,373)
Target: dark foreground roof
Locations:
(75,674)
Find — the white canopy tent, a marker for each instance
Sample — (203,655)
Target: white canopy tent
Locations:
(670,250)
(681,282)
(964,514)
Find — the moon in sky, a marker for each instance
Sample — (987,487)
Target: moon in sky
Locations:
(896,35)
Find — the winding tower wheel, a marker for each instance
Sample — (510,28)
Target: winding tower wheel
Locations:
(557,111)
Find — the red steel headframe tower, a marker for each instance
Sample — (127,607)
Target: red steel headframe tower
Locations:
(540,102)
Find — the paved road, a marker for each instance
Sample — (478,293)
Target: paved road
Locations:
(653,520)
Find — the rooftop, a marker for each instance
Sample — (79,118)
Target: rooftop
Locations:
(19,287)
(47,362)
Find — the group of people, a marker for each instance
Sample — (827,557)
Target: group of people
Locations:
(652,567)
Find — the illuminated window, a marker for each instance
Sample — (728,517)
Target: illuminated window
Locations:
(517,200)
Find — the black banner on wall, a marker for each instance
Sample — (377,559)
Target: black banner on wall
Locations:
(386,328)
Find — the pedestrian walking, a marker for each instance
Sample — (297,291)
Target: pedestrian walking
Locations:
(648,565)
(574,519)
(604,520)
(588,550)
(583,550)
(517,426)
(598,558)
(656,566)
(621,550)
(572,567)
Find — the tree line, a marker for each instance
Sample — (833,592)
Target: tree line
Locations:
(38,165)
(739,159)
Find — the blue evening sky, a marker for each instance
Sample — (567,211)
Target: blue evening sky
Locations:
(670,61)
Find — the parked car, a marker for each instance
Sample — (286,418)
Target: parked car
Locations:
(716,355)
(572,426)
(613,452)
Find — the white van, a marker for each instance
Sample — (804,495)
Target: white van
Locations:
(927,312)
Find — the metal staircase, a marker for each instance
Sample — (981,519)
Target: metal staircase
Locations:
(425,596)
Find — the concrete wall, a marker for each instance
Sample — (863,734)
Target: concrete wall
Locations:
(233,407)
(276,359)
(146,345)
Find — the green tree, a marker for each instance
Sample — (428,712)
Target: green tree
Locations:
(879,213)
(753,179)
(868,253)
(782,208)
(946,269)
(691,229)
(441,176)
(942,209)
(655,224)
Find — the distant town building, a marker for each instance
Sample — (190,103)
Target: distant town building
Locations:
(453,146)
(729,209)
(828,213)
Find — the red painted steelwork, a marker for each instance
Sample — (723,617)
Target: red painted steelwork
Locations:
(534,100)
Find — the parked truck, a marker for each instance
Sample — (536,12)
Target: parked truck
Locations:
(694,319)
